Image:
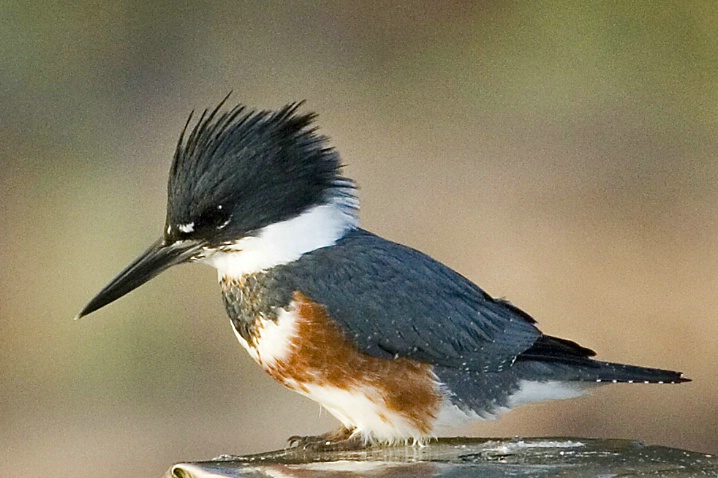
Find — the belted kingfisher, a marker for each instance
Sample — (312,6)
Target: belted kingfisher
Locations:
(394,344)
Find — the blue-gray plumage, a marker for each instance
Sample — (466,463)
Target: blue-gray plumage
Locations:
(392,342)
(394,301)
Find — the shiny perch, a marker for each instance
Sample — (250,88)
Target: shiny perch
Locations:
(393,343)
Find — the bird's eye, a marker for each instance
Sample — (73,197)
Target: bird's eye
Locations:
(212,219)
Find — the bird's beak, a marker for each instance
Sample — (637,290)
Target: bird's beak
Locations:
(157,258)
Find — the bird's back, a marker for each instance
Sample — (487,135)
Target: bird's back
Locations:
(391,301)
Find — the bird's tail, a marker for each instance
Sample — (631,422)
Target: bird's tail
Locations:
(622,373)
(600,372)
(533,380)
(553,358)
(552,369)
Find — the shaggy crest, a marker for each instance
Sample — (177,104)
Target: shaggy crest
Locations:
(240,170)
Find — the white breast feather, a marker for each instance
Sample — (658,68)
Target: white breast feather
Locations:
(274,338)
(363,409)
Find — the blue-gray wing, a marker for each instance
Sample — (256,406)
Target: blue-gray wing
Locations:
(392,300)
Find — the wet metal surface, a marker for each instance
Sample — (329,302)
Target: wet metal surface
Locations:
(459,457)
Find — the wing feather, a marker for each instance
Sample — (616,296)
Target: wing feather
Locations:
(392,300)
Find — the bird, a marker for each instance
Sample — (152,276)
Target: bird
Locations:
(396,345)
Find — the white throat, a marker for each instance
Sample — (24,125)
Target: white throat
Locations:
(286,241)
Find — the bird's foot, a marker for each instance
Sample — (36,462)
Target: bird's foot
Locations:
(338,440)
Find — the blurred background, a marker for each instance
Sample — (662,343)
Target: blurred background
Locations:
(560,154)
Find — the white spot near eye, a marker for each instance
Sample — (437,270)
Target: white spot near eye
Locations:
(224,224)
(186,228)
(169,229)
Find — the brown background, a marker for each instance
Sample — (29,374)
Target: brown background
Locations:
(560,154)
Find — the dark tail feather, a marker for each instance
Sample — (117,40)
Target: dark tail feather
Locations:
(553,358)
(588,370)
(620,373)
(487,393)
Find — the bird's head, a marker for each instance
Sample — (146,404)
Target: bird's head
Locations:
(247,190)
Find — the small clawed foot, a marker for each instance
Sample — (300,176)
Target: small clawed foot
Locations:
(339,440)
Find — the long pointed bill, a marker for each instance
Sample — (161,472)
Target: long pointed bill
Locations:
(149,264)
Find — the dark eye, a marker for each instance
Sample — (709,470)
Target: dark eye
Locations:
(212,219)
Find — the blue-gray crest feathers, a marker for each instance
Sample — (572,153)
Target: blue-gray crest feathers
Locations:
(240,170)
